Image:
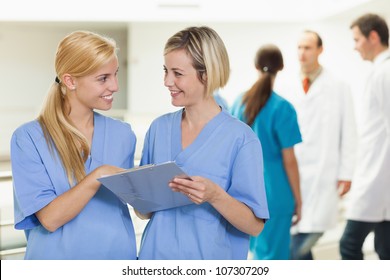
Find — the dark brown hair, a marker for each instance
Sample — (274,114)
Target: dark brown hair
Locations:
(372,22)
(268,61)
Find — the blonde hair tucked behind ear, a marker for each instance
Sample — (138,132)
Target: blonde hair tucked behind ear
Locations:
(208,52)
(79,54)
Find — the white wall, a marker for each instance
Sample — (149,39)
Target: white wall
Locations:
(27,57)
(27,52)
(149,98)
(146,41)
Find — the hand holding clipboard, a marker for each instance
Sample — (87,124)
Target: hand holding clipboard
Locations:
(146,188)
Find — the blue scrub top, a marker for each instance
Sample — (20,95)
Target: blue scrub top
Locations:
(277,128)
(227,152)
(103,229)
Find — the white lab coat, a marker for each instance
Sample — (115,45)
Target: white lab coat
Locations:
(369,198)
(328,151)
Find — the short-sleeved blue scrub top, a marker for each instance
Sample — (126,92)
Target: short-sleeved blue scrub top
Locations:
(227,152)
(103,229)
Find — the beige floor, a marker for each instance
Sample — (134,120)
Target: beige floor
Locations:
(328,246)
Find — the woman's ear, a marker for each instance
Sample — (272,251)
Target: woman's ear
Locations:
(204,77)
(69,81)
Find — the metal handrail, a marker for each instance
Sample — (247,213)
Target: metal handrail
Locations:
(11,253)
(16,250)
(5,175)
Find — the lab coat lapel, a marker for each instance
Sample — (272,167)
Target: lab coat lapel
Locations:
(318,87)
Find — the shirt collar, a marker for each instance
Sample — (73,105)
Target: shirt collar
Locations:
(382,57)
(312,75)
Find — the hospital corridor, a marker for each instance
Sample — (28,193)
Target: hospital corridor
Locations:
(142,93)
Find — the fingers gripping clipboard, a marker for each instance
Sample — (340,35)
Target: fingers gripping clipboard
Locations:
(146,188)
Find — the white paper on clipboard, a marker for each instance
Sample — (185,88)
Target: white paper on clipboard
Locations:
(146,188)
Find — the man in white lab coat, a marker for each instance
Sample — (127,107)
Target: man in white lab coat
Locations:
(368,207)
(326,157)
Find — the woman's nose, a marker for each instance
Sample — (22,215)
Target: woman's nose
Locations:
(168,81)
(114,87)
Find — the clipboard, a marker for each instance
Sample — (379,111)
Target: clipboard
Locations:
(146,188)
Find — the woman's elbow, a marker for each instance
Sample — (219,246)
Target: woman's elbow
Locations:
(257,228)
(51,227)
(49,224)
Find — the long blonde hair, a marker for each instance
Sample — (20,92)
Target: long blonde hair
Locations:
(208,52)
(78,54)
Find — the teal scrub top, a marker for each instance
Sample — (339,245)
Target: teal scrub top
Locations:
(277,128)
(103,229)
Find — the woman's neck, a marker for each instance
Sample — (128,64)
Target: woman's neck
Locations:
(202,113)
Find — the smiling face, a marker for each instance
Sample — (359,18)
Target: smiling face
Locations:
(182,80)
(95,91)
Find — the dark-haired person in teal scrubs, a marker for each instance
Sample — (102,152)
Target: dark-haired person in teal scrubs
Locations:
(275,122)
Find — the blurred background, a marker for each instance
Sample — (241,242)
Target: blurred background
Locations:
(31,30)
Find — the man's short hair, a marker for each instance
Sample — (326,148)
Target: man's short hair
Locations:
(372,22)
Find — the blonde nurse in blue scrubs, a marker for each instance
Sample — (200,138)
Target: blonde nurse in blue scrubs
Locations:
(221,154)
(57,158)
